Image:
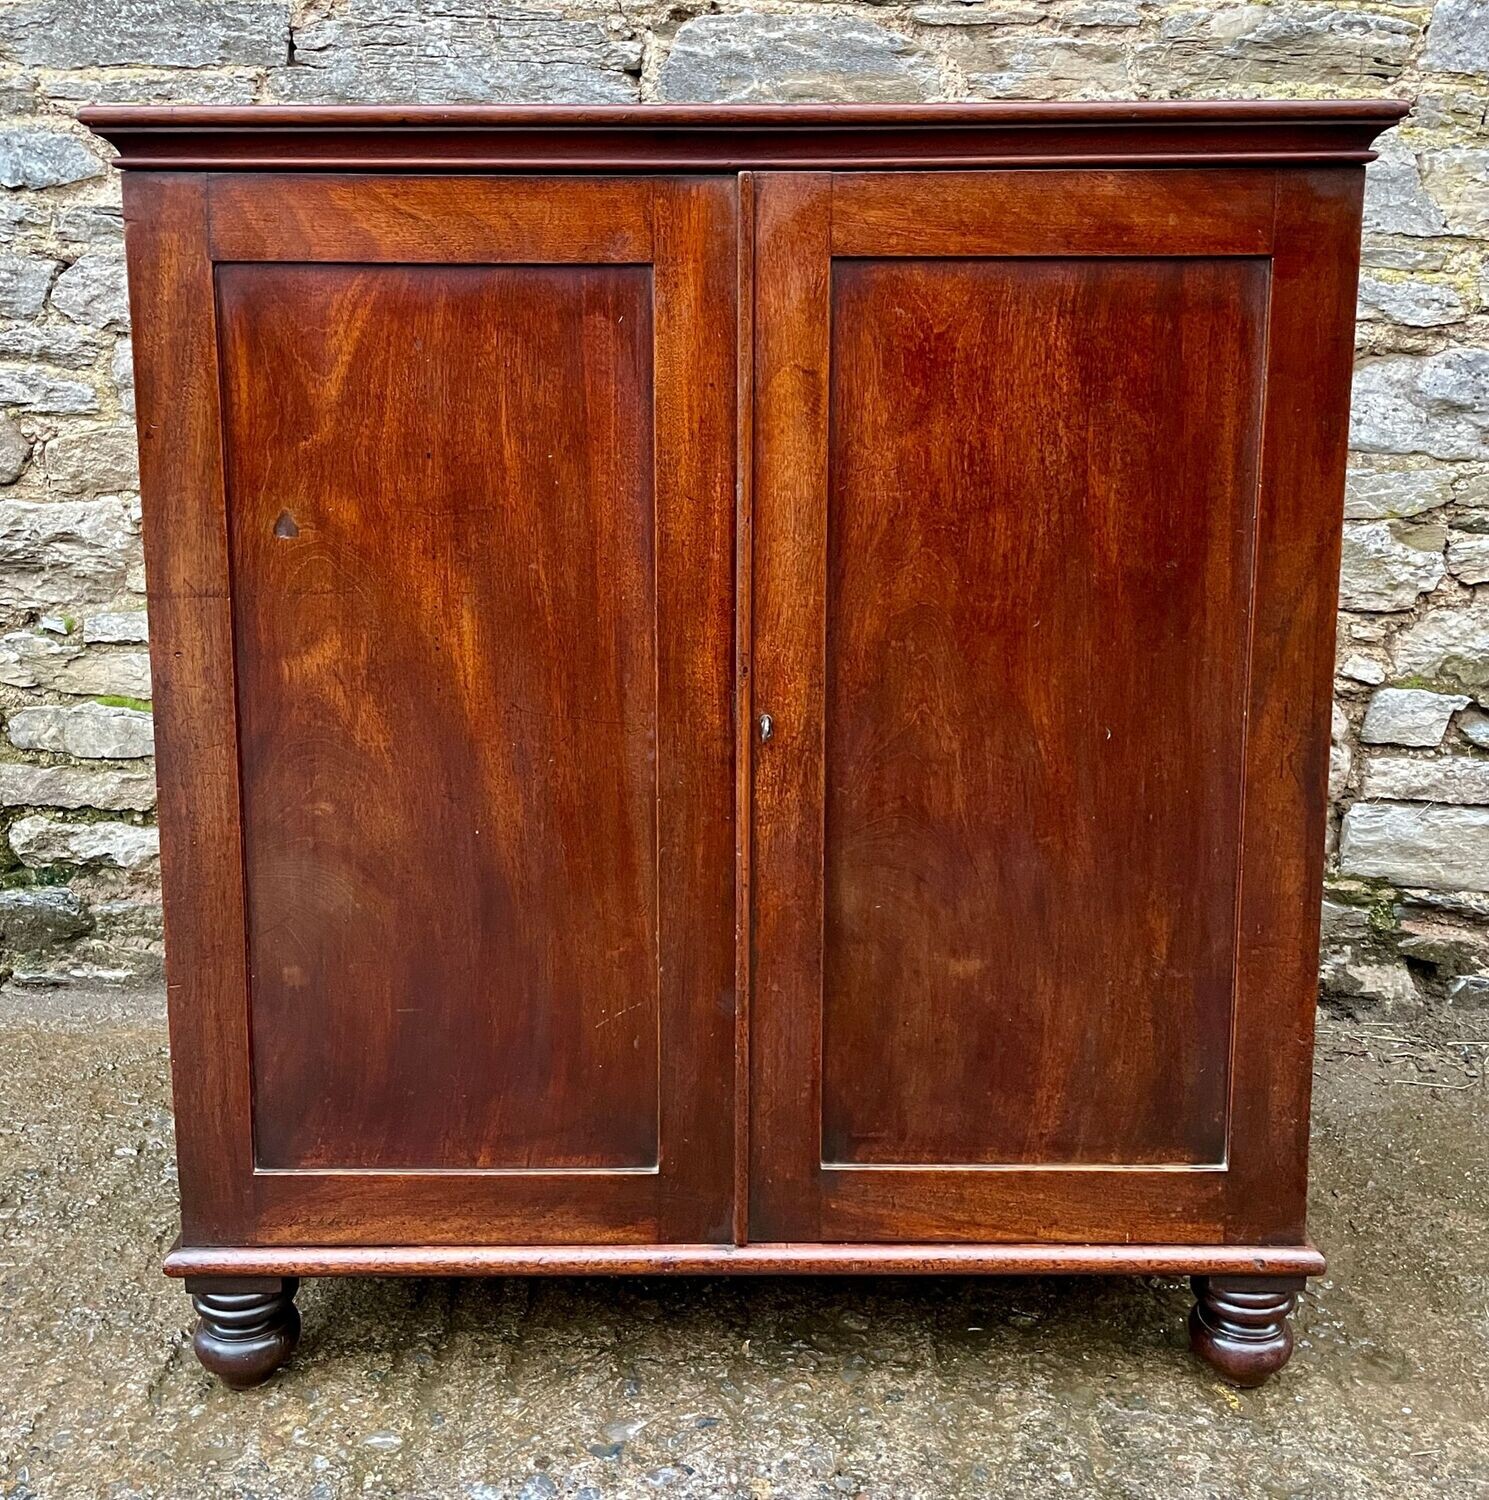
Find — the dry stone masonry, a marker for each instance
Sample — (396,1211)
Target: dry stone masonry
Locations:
(1406,918)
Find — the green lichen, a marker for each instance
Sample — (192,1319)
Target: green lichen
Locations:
(23,879)
(1376,898)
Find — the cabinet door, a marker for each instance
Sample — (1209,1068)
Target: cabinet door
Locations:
(1047,481)
(439,508)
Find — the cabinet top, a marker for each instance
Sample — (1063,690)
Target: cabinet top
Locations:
(735,137)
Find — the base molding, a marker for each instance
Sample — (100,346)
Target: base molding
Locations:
(747,1260)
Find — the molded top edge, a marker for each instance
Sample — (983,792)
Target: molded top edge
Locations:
(704,137)
(732,116)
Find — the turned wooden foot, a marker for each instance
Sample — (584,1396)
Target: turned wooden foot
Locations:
(1239,1324)
(247,1326)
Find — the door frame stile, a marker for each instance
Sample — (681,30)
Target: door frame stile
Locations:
(744,716)
(793,291)
(173,302)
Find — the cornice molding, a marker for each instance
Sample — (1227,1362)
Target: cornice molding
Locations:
(719,138)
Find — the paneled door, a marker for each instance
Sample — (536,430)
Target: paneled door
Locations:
(1045,541)
(456,561)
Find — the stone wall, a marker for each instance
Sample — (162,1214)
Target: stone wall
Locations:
(1407,914)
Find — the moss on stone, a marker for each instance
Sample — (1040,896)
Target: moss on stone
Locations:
(114,700)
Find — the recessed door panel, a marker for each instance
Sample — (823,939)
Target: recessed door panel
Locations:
(443,536)
(1042,480)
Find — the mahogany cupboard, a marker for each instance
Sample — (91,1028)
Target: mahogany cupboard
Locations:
(743,689)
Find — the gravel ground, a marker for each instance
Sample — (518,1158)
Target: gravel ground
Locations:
(744,1388)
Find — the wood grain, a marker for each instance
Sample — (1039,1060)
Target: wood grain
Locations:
(793,289)
(485,515)
(1043,474)
(1299,520)
(696,279)
(481,614)
(749,1260)
(744,720)
(436,475)
(989,1059)
(419,219)
(192,670)
(1210,212)
(731,138)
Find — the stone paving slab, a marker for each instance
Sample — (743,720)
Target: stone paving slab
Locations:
(793,1388)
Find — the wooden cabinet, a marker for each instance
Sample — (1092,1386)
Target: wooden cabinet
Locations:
(743,689)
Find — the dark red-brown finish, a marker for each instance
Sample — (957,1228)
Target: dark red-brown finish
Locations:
(761,1259)
(1239,1325)
(417,759)
(743,723)
(715,138)
(1000,428)
(246,1327)
(1016,572)
(464,610)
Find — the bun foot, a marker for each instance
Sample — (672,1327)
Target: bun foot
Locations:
(247,1326)
(1239,1325)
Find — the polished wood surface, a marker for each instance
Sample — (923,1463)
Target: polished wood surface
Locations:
(246,1326)
(738,137)
(192,668)
(748,1260)
(417,761)
(487,878)
(435,220)
(1300,505)
(992,213)
(792,291)
(1009,499)
(1239,1325)
(745,728)
(757,723)
(1042,475)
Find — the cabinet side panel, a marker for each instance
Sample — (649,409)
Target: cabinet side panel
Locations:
(440,483)
(191,650)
